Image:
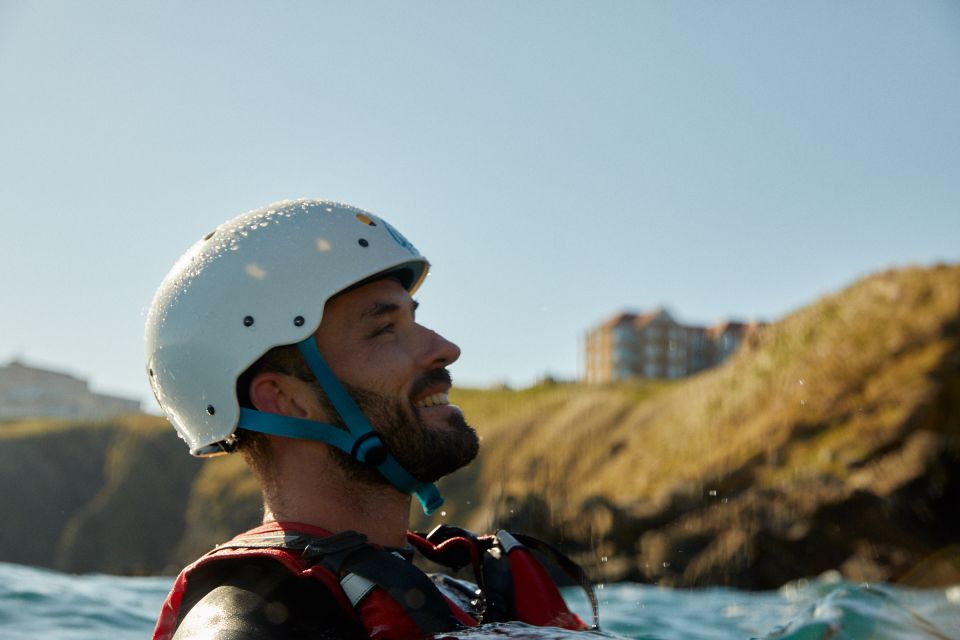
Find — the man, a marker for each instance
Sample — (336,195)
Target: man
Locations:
(289,334)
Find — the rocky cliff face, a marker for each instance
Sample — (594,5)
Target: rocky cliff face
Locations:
(831,442)
(93,496)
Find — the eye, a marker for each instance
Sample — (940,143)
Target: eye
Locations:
(383,330)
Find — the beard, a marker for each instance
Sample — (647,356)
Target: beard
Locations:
(427,452)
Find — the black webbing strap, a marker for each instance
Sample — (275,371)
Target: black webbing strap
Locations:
(568,566)
(499,597)
(349,552)
(406,584)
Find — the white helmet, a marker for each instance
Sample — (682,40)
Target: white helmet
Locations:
(256,282)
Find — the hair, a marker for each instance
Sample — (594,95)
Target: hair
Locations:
(253,445)
(283,359)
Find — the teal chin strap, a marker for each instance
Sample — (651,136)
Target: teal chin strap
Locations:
(361,442)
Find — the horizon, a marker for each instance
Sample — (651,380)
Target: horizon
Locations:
(150,406)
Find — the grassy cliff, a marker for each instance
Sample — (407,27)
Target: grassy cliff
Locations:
(93,496)
(831,441)
(815,394)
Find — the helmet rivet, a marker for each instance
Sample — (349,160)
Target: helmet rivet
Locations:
(363,242)
(298,321)
(248,321)
(210,409)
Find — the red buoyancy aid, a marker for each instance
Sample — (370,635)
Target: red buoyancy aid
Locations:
(393,599)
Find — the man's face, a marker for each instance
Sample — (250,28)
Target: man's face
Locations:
(395,370)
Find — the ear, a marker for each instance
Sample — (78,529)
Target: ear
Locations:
(273,392)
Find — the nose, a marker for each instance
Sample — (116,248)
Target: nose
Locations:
(440,351)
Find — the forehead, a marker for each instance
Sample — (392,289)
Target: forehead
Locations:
(364,300)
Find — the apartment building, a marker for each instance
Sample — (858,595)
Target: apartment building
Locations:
(30,392)
(654,345)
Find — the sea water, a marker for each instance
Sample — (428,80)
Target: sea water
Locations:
(38,603)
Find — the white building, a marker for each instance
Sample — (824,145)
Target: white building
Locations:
(28,392)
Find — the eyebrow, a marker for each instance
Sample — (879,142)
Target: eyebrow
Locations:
(380,309)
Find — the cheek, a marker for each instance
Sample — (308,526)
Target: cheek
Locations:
(385,371)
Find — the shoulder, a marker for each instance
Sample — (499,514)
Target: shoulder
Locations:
(240,599)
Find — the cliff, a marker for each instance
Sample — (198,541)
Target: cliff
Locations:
(93,496)
(831,441)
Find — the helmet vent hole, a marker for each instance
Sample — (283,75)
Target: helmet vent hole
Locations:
(150,372)
(298,321)
(365,219)
(248,321)
(209,235)
(210,409)
(363,242)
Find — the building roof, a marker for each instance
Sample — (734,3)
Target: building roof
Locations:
(624,317)
(19,369)
(32,392)
(646,318)
(638,320)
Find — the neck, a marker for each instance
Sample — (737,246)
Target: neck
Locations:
(310,488)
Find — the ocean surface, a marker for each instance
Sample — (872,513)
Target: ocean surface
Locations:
(42,604)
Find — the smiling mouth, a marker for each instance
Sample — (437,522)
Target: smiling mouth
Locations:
(433,400)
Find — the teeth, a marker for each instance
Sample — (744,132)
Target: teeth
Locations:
(435,400)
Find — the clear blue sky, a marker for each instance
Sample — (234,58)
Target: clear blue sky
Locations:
(556,161)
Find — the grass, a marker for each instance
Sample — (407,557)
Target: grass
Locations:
(817,392)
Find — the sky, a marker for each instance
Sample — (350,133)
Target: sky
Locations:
(557,162)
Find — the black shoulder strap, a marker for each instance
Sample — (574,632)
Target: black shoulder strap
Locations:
(405,583)
(568,566)
(348,552)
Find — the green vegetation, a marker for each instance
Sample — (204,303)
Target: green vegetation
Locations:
(857,393)
(845,373)
(93,496)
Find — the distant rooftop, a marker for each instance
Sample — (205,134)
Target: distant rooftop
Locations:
(33,392)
